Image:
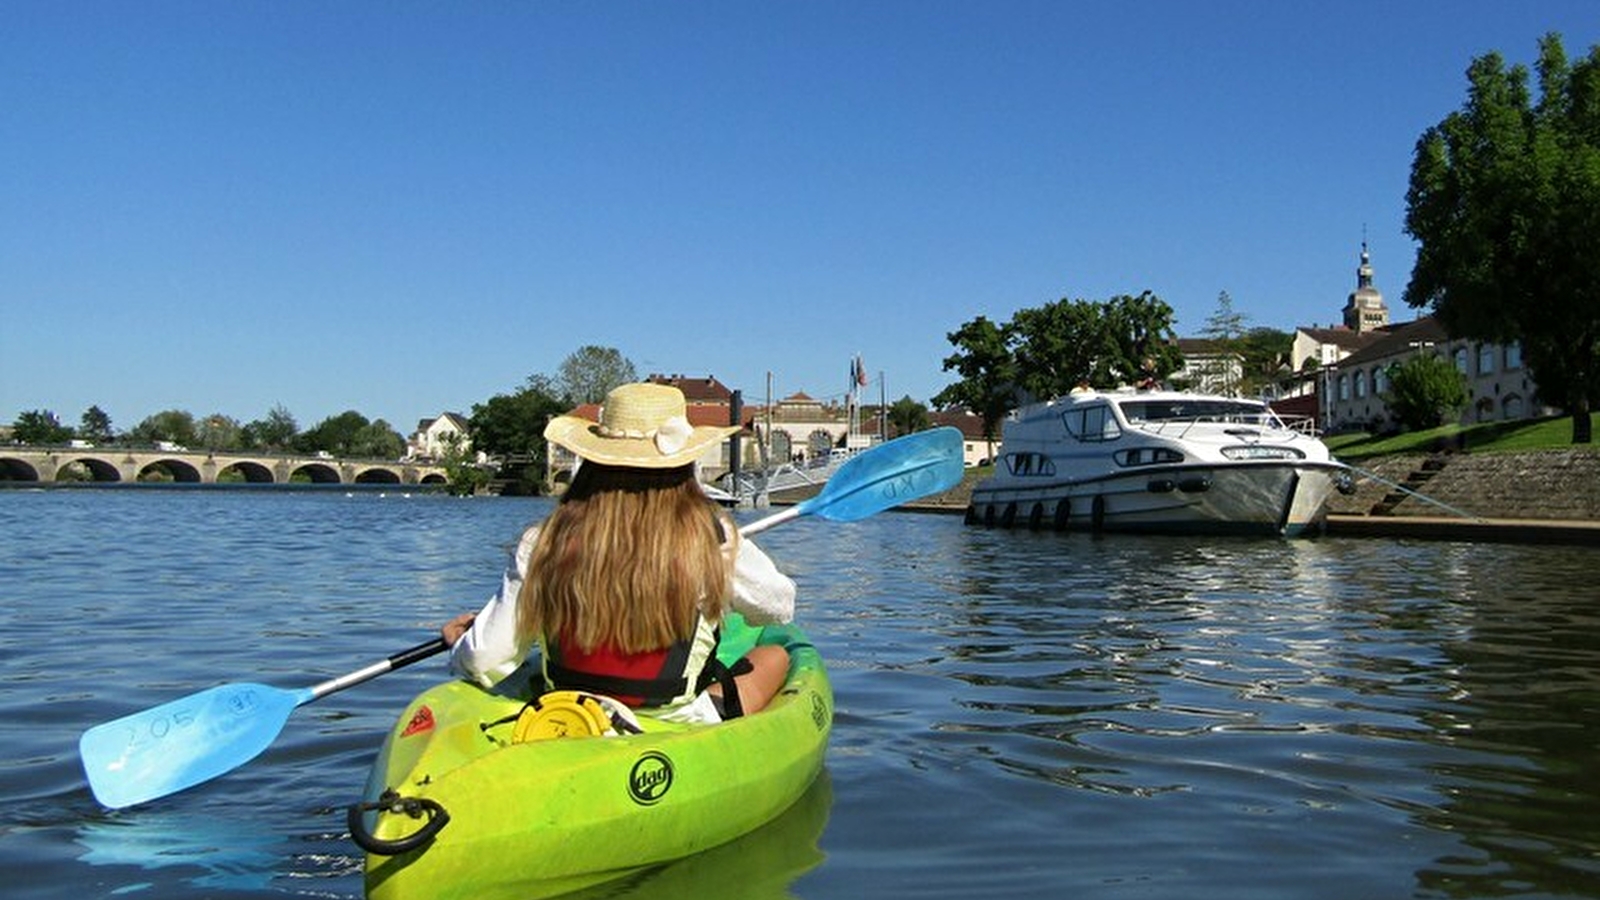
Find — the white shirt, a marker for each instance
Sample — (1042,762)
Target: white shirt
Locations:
(494,646)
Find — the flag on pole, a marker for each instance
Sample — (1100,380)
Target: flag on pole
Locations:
(858,371)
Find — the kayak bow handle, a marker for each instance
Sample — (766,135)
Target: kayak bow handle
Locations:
(415,807)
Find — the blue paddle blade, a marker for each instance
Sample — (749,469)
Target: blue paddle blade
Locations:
(904,469)
(176,745)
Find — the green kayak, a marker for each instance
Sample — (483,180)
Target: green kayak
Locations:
(465,800)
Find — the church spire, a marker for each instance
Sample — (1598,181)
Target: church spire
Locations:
(1365,310)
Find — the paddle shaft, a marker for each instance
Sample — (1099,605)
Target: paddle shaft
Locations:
(399,660)
(763,524)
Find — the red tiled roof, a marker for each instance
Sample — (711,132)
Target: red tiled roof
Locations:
(696,390)
(715,416)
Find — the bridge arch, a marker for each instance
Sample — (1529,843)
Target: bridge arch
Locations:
(377,475)
(317,473)
(167,468)
(99,470)
(253,472)
(12,469)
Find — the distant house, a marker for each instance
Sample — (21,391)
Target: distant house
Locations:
(1209,368)
(434,436)
(976,450)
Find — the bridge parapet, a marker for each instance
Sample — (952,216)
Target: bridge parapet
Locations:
(130,465)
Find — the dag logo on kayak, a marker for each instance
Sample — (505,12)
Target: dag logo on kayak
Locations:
(650,778)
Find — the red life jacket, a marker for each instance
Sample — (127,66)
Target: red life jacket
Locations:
(650,679)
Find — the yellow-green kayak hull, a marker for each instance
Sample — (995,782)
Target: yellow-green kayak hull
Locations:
(546,817)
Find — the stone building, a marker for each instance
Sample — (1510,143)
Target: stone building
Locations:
(1351,370)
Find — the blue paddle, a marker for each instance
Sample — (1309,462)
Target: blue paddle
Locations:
(183,742)
(887,475)
(179,744)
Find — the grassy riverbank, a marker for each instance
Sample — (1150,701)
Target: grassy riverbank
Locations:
(1554,433)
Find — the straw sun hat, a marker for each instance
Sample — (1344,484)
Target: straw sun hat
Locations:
(642,426)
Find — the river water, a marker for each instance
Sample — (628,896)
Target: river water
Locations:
(1019,715)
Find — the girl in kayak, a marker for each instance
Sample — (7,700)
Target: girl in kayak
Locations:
(623,585)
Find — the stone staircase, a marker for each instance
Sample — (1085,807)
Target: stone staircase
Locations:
(1413,484)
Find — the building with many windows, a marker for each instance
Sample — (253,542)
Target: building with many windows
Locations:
(1351,365)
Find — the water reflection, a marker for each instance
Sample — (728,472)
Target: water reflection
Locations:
(201,850)
(1439,698)
(762,865)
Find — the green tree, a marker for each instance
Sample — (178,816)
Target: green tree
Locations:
(1266,358)
(463,474)
(1225,329)
(95,426)
(590,372)
(1061,345)
(379,440)
(1145,349)
(40,426)
(275,432)
(1504,201)
(1425,391)
(908,416)
(349,434)
(988,370)
(508,425)
(219,432)
(173,426)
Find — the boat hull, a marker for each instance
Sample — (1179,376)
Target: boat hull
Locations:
(546,817)
(1251,497)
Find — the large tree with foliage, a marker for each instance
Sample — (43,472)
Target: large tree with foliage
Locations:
(276,431)
(1061,345)
(511,427)
(988,370)
(907,416)
(1145,348)
(40,426)
(175,426)
(590,372)
(219,432)
(1049,350)
(350,434)
(1225,330)
(95,426)
(1505,203)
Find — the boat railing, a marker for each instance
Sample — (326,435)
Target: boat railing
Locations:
(1179,426)
(788,476)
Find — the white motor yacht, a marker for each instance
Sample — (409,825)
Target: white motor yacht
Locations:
(1160,461)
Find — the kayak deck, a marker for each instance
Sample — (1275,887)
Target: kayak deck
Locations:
(546,817)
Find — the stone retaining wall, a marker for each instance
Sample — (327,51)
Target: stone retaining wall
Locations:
(1547,484)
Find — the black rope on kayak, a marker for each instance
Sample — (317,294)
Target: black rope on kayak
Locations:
(391,802)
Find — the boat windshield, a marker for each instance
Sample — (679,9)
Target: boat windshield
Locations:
(1198,410)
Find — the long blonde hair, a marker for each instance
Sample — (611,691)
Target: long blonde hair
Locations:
(628,560)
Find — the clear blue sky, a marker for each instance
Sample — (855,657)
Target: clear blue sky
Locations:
(405,208)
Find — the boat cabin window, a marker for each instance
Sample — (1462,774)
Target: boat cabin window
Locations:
(1147,456)
(1092,423)
(1030,464)
(1188,410)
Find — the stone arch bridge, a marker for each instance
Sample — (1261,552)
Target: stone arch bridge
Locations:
(117,464)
